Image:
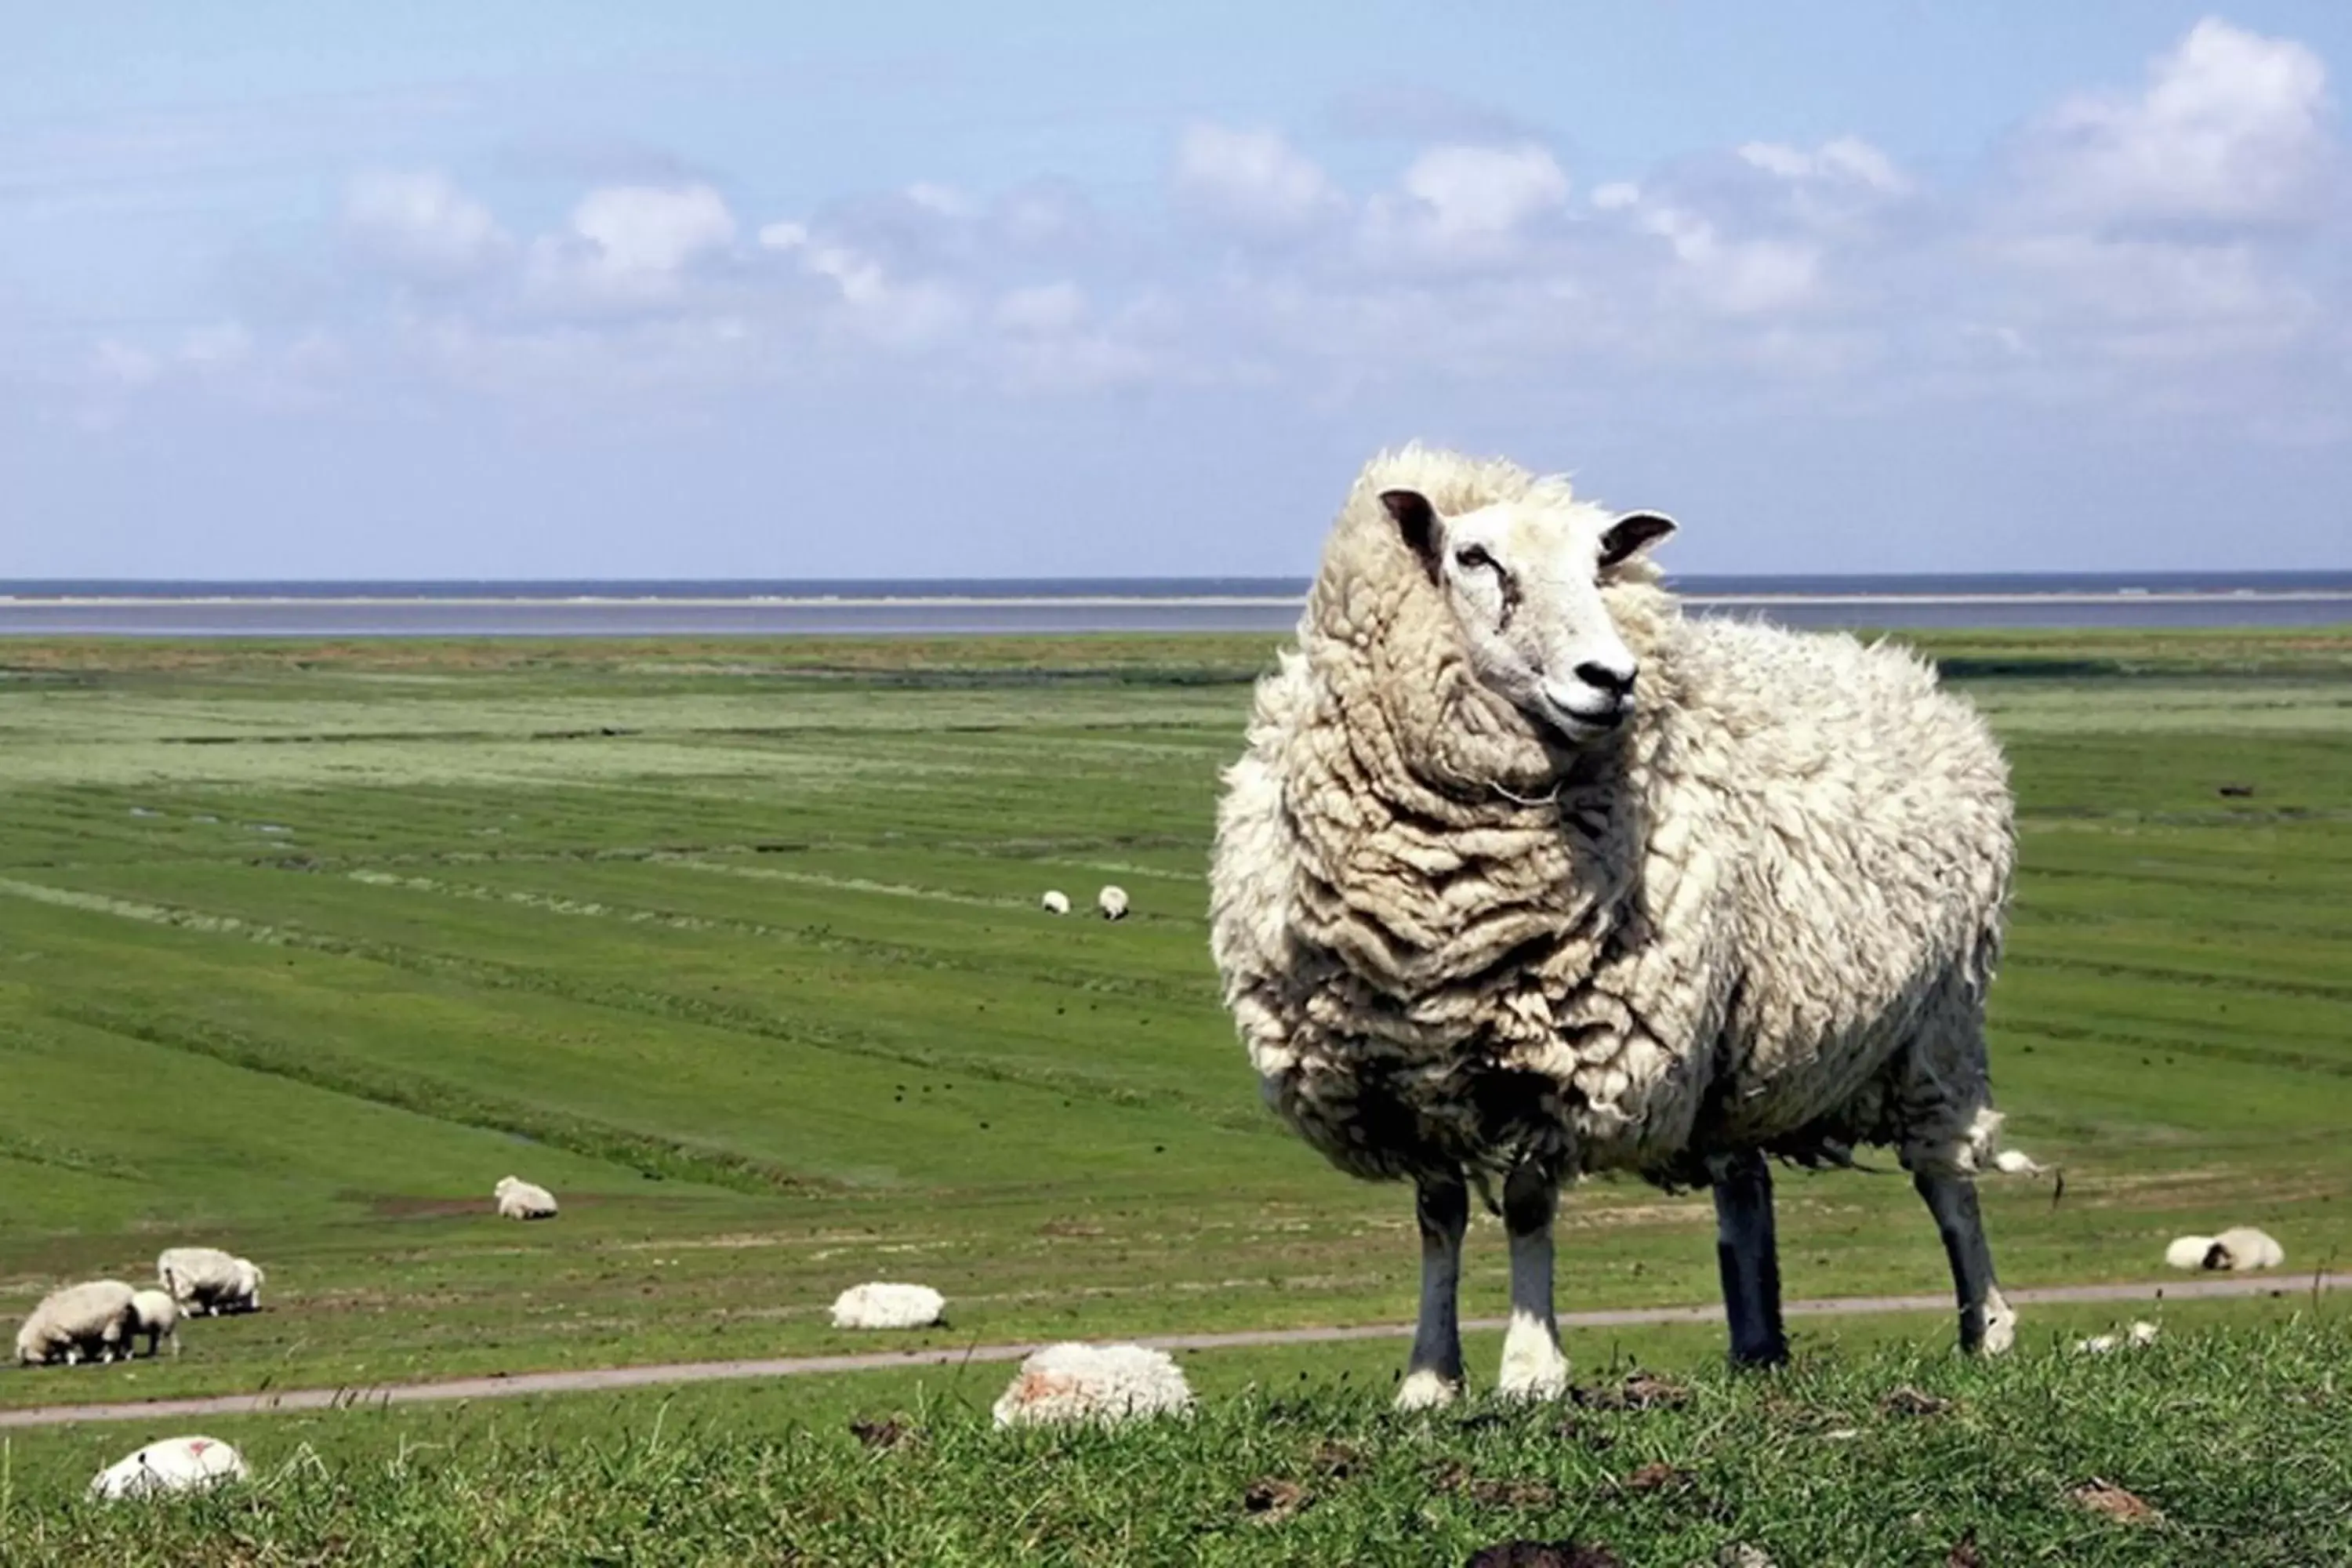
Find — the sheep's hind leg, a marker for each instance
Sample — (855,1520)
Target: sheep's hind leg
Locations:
(1987,1324)
(1533,1366)
(1747,1254)
(1433,1377)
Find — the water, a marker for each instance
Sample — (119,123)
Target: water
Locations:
(1048,605)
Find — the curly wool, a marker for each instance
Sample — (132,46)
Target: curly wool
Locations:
(1099,1383)
(1763,914)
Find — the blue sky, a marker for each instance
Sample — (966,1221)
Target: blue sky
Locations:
(704,290)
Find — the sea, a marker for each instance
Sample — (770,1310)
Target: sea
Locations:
(911,607)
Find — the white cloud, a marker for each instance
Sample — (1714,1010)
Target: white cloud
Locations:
(1847,159)
(421,223)
(1253,180)
(1476,196)
(639,239)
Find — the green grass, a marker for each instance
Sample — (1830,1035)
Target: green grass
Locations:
(735,946)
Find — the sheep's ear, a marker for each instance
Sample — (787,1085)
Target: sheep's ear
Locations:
(1631,533)
(1416,519)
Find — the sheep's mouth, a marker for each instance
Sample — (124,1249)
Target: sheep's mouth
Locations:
(1577,729)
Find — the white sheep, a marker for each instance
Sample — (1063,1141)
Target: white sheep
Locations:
(173,1465)
(2239,1248)
(1111,902)
(884,1306)
(207,1281)
(2017,1163)
(157,1316)
(1524,875)
(93,1321)
(1055,902)
(1098,1383)
(2140,1334)
(519,1199)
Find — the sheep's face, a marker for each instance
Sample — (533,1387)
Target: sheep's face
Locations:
(1524,584)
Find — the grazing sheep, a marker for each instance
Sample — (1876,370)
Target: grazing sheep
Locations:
(1524,875)
(519,1199)
(173,1465)
(879,1305)
(157,1316)
(1055,902)
(1105,1384)
(92,1322)
(1112,902)
(2139,1335)
(208,1281)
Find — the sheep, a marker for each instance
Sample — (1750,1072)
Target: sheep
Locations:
(2140,1334)
(519,1199)
(157,1316)
(92,1320)
(880,1306)
(173,1465)
(2239,1248)
(1484,916)
(2017,1163)
(1099,1383)
(1055,902)
(1111,902)
(208,1281)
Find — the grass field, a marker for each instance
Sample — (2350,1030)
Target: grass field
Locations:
(735,946)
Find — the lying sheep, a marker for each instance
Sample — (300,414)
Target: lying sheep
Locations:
(92,1322)
(1101,1383)
(1525,875)
(1055,902)
(157,1316)
(1112,902)
(519,1199)
(2240,1247)
(173,1465)
(881,1306)
(2017,1163)
(208,1281)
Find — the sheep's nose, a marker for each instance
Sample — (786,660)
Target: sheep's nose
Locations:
(1606,678)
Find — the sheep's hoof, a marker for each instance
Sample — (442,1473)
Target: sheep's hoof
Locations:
(1427,1390)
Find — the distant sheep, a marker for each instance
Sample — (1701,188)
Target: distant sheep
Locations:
(173,1465)
(1103,1384)
(2017,1163)
(2240,1247)
(158,1317)
(2139,1335)
(89,1321)
(1112,902)
(519,1199)
(879,1305)
(1055,902)
(207,1281)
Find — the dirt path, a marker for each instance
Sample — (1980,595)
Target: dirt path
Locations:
(504,1386)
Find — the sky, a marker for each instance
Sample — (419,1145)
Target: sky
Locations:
(728,289)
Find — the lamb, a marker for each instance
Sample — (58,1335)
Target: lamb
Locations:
(1111,902)
(519,1199)
(882,1306)
(2239,1248)
(1099,1383)
(1055,902)
(156,1315)
(1523,875)
(173,1465)
(92,1320)
(209,1281)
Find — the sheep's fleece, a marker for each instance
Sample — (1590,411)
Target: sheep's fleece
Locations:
(1101,1383)
(880,1305)
(1762,913)
(173,1465)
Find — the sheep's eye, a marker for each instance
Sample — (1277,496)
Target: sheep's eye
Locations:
(1472,556)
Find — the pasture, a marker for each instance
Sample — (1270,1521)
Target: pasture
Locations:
(736,947)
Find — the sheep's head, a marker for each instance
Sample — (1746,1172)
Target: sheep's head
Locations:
(1523,582)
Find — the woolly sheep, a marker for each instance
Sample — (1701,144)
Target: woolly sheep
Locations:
(1104,1384)
(208,1281)
(155,1314)
(1112,902)
(1055,902)
(2240,1247)
(173,1465)
(519,1199)
(1523,875)
(92,1320)
(880,1306)
(2017,1163)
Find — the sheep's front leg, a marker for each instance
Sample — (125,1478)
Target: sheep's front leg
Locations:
(1747,1255)
(1435,1375)
(1533,1366)
(1987,1324)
